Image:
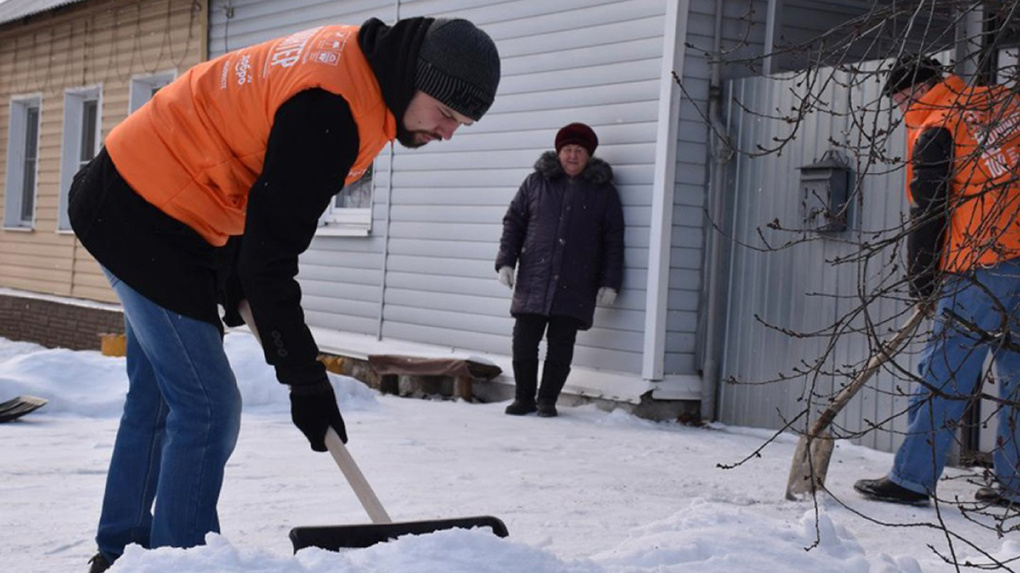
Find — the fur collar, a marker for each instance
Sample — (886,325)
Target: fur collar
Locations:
(597,171)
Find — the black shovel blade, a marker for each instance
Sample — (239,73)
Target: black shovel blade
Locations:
(17,407)
(335,537)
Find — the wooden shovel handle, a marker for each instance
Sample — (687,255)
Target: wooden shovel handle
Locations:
(884,353)
(337,448)
(354,477)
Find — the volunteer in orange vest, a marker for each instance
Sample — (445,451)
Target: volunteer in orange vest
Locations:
(963,252)
(207,195)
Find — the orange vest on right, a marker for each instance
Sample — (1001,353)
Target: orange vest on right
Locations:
(195,149)
(984,194)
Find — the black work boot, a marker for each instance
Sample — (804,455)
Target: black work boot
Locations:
(993,496)
(987,494)
(554,376)
(98,563)
(884,490)
(525,382)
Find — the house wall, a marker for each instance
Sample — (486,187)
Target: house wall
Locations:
(806,310)
(742,35)
(742,52)
(341,278)
(96,43)
(55,323)
(425,272)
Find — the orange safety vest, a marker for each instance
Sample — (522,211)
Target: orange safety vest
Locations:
(984,195)
(195,149)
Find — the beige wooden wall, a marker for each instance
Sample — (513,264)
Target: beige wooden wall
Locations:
(97,42)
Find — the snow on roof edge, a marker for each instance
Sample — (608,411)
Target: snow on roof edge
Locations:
(12,10)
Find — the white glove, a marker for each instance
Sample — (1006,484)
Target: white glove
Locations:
(606,296)
(506,277)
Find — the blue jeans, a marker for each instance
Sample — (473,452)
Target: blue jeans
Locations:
(952,364)
(180,424)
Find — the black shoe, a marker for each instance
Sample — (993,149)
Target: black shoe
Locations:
(520,408)
(547,410)
(993,496)
(884,490)
(987,494)
(98,563)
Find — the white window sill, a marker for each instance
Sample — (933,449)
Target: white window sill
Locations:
(343,231)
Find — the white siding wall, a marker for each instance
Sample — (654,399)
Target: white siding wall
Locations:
(341,279)
(742,34)
(427,265)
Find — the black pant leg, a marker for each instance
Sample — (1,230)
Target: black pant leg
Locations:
(560,340)
(528,331)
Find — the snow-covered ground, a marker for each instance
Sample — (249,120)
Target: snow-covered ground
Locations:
(588,492)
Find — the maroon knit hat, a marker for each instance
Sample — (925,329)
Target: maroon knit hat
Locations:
(578,134)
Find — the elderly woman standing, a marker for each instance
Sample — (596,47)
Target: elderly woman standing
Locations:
(564,233)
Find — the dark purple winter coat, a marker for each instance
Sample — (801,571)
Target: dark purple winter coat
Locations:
(565,237)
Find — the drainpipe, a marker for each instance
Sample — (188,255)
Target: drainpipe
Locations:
(385,245)
(713,319)
(380,318)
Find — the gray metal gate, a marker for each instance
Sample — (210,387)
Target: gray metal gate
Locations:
(798,298)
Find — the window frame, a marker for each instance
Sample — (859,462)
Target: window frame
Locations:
(71,159)
(350,221)
(143,87)
(17,142)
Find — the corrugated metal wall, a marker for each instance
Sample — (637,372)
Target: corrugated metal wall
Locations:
(807,282)
(742,50)
(427,265)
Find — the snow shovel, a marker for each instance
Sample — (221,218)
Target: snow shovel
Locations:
(382,528)
(17,407)
(814,449)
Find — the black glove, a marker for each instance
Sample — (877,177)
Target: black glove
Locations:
(313,409)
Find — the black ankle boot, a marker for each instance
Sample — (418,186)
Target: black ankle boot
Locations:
(525,382)
(987,494)
(993,496)
(520,408)
(554,376)
(98,563)
(547,410)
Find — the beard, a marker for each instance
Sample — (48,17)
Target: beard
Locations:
(409,139)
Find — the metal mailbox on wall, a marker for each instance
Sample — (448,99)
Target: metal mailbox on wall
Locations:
(825,189)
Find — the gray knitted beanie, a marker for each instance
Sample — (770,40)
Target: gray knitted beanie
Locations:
(459,66)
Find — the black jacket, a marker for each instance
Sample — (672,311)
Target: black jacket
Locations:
(932,162)
(565,236)
(312,145)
